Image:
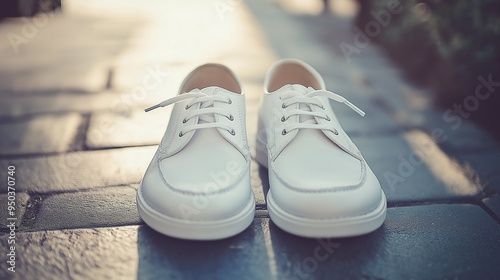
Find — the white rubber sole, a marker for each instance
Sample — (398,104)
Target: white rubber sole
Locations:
(317,228)
(196,230)
(330,228)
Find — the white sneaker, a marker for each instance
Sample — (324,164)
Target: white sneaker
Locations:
(198,184)
(320,185)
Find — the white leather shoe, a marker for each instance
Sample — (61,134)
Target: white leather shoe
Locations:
(198,184)
(320,185)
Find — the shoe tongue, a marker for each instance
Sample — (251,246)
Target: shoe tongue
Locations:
(301,90)
(293,87)
(211,90)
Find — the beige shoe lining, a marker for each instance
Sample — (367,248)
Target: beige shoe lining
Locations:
(212,75)
(292,73)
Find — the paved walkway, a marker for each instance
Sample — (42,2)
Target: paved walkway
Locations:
(72,90)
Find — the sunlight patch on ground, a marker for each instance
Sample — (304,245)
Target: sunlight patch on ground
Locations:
(344,8)
(456,178)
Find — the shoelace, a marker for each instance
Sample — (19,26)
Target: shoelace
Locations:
(292,97)
(205,113)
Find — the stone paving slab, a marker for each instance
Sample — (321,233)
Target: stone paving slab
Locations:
(375,66)
(136,75)
(418,242)
(461,135)
(163,81)
(44,134)
(486,165)
(413,108)
(132,128)
(82,62)
(134,252)
(493,203)
(104,207)
(14,105)
(402,99)
(493,183)
(80,170)
(439,241)
(376,121)
(411,167)
(21,201)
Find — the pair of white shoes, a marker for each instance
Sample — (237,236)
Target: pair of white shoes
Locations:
(198,183)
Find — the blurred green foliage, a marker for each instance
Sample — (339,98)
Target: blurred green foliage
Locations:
(432,36)
(446,44)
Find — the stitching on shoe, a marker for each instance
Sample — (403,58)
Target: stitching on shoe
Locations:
(169,186)
(191,220)
(240,148)
(362,180)
(242,131)
(349,142)
(351,149)
(331,218)
(243,125)
(171,138)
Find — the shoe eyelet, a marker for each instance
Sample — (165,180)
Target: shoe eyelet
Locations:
(283,105)
(231,118)
(184,121)
(284,132)
(180,134)
(233,132)
(328,118)
(335,132)
(283,119)
(187,107)
(322,107)
(230,101)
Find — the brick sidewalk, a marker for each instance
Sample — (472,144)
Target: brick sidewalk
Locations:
(72,124)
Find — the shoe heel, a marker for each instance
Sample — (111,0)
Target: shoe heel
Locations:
(261,152)
(261,146)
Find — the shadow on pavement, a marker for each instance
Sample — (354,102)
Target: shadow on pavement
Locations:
(162,257)
(326,258)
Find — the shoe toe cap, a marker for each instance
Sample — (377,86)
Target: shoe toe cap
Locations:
(203,202)
(328,203)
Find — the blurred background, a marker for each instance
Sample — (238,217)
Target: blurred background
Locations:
(439,47)
(76,75)
(445,46)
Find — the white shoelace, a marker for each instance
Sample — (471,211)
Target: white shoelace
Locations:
(292,97)
(206,112)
